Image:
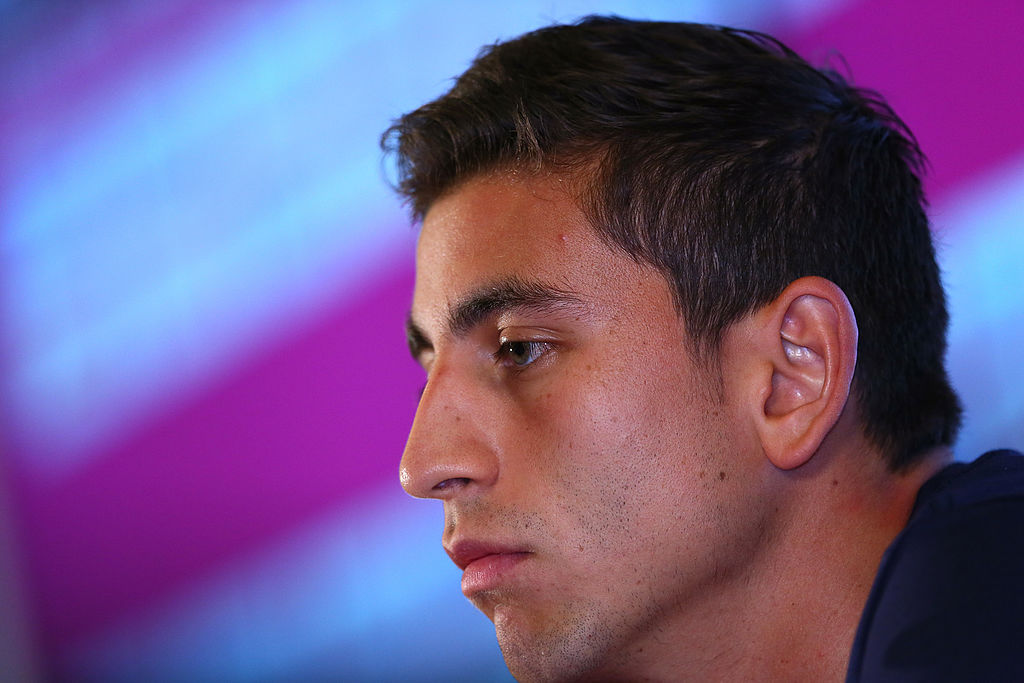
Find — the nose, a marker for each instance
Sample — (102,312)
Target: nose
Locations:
(451,447)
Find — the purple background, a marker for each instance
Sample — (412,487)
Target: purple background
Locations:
(204,387)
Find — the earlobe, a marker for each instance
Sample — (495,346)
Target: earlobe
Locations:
(810,344)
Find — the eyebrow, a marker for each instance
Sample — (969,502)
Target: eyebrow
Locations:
(511,294)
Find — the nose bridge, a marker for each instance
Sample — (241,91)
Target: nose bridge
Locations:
(449,448)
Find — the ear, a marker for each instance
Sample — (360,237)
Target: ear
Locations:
(805,346)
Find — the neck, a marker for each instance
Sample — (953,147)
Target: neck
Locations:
(820,569)
(794,614)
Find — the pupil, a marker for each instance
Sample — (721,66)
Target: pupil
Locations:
(520,352)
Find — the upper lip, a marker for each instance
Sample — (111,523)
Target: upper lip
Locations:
(464,552)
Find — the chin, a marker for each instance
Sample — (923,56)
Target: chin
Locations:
(543,670)
(562,652)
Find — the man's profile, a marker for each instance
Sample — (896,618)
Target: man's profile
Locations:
(686,404)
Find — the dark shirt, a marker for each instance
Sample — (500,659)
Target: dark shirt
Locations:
(947,603)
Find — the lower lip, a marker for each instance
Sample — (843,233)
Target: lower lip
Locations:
(487,572)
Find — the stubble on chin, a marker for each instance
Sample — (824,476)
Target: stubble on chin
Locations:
(568,645)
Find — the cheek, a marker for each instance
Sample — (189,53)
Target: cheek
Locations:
(618,454)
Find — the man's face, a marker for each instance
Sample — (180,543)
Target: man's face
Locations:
(588,467)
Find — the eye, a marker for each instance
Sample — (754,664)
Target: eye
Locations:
(519,354)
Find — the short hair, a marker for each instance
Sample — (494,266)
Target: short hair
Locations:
(723,159)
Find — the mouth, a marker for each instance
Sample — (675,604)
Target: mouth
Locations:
(485,566)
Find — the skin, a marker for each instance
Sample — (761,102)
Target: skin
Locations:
(655,534)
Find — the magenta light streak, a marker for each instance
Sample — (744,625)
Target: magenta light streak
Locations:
(307,428)
(952,70)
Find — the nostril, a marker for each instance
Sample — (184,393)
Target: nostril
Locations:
(454,482)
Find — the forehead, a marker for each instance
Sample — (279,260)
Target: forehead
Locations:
(506,225)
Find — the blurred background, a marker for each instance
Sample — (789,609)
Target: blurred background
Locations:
(204,386)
